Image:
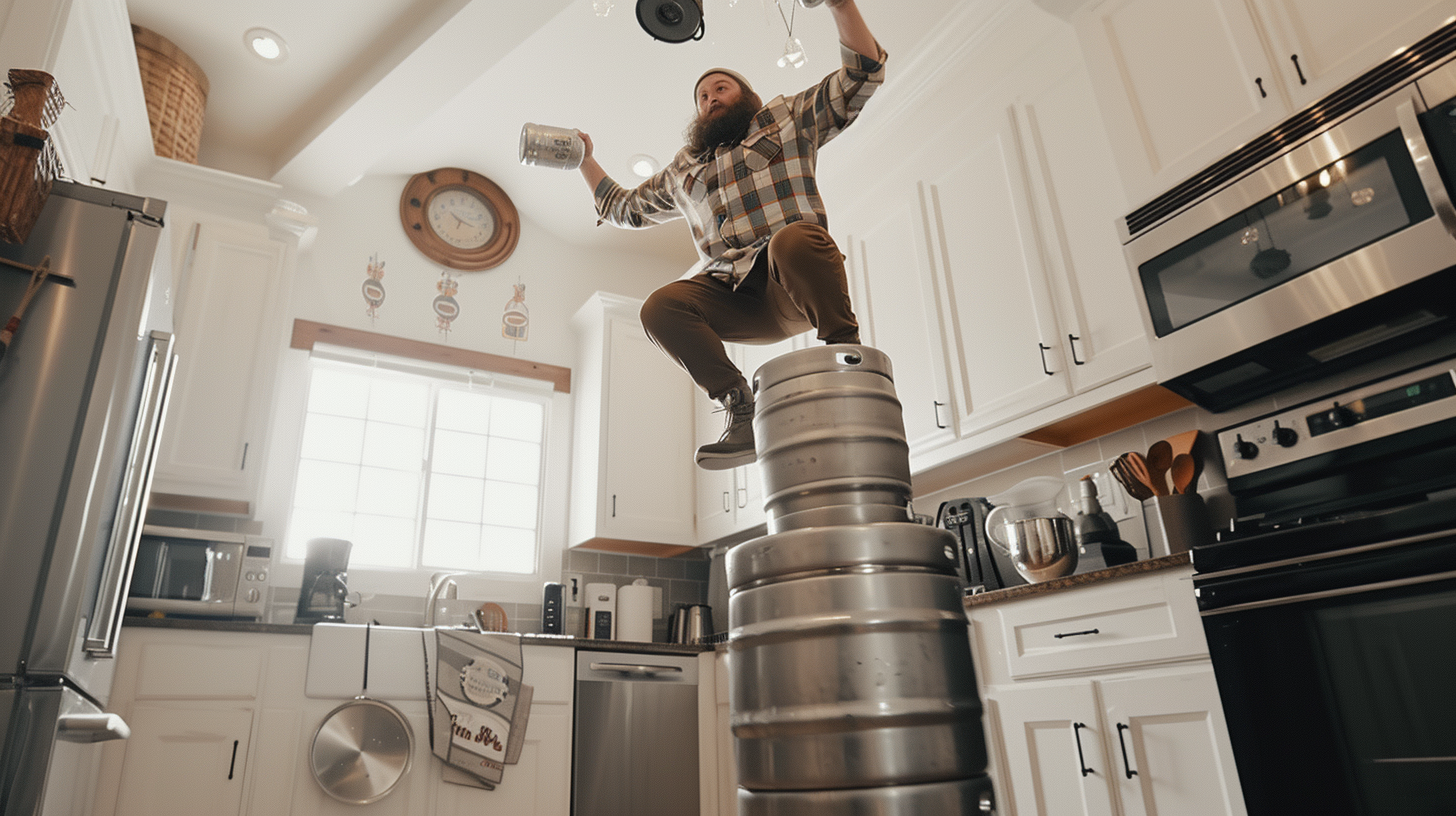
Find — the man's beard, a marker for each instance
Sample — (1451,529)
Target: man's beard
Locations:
(725,127)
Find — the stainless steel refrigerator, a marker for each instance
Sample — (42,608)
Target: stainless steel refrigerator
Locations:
(83,387)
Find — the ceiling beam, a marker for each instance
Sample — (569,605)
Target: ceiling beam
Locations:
(430,66)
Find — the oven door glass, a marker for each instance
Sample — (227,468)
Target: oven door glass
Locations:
(1340,696)
(1351,203)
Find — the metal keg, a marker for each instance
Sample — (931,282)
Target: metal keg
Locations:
(829,431)
(961,797)
(849,661)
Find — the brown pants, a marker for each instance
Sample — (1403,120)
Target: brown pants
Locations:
(796,284)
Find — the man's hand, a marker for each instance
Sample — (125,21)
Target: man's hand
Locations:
(590,170)
(853,31)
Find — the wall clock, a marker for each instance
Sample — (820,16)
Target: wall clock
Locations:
(459,219)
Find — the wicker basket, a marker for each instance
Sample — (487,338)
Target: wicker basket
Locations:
(176,92)
(28,162)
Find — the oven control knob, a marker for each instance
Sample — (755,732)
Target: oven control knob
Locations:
(1340,417)
(1244,450)
(1285,437)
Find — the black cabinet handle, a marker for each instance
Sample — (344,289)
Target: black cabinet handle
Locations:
(1263,94)
(1061,635)
(243,465)
(614,505)
(1077,735)
(1072,341)
(1127,768)
(234,763)
(938,423)
(1294,58)
(1044,349)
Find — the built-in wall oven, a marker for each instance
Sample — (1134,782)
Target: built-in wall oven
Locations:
(1318,247)
(1330,604)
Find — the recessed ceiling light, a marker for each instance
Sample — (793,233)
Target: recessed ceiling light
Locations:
(644,165)
(265,44)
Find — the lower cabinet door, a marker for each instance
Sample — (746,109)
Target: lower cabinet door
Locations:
(1171,746)
(184,761)
(1055,762)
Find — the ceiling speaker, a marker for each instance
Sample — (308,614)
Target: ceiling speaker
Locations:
(671,21)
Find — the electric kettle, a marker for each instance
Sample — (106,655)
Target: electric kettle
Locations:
(691,623)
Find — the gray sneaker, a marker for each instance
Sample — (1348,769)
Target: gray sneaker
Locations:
(735,446)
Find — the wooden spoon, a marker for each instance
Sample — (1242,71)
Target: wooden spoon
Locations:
(1160,458)
(1184,471)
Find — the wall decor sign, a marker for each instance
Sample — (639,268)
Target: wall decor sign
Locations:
(516,322)
(373,287)
(445,306)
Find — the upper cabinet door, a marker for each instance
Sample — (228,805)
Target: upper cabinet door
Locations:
(1181,82)
(1080,197)
(1006,358)
(899,314)
(1320,45)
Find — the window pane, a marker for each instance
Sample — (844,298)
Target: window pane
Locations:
(462,454)
(455,498)
(389,493)
(509,550)
(399,401)
(512,461)
(326,486)
(517,419)
(394,446)
(464,411)
(382,541)
(338,393)
(510,505)
(336,439)
(451,544)
(310,524)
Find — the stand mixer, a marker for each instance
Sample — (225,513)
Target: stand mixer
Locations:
(1027,525)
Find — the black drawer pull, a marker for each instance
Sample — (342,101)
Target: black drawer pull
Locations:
(1077,735)
(1126,767)
(1061,635)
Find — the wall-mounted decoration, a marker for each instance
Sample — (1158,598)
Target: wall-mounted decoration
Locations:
(459,219)
(445,305)
(28,162)
(373,287)
(516,322)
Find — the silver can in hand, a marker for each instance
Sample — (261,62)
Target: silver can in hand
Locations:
(545,146)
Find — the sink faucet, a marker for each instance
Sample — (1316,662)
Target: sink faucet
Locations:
(442,587)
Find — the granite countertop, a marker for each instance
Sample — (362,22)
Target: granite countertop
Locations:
(529,639)
(1097,577)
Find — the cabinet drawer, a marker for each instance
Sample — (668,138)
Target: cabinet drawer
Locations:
(1124,623)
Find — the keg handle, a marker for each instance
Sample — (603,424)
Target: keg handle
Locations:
(849,358)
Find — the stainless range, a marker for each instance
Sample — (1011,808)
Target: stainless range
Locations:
(1330,605)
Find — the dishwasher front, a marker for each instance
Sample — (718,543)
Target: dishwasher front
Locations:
(635,744)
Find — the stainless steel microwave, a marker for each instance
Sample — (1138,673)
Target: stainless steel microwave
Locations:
(198,573)
(1328,243)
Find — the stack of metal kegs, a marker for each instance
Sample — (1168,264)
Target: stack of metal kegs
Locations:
(851,679)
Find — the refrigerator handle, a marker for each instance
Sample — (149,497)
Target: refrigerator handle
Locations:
(126,533)
(92,727)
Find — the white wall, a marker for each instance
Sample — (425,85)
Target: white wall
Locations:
(364,220)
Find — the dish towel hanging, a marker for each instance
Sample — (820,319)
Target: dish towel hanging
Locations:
(480,707)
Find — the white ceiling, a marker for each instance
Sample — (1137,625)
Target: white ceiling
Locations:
(400,86)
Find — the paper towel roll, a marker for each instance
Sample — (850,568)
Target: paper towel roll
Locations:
(634,611)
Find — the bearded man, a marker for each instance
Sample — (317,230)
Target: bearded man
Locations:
(745,184)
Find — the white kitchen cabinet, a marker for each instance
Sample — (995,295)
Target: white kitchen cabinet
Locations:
(1320,45)
(899,313)
(632,469)
(183,760)
(1076,680)
(718,765)
(232,284)
(1182,83)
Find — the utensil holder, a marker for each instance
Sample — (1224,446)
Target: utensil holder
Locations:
(1175,523)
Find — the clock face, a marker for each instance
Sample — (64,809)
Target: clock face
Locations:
(461,218)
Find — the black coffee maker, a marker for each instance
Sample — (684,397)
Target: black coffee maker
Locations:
(325,581)
(980,563)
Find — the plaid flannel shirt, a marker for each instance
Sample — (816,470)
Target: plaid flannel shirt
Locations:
(734,198)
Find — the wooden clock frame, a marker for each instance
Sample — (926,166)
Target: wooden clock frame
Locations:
(414,202)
